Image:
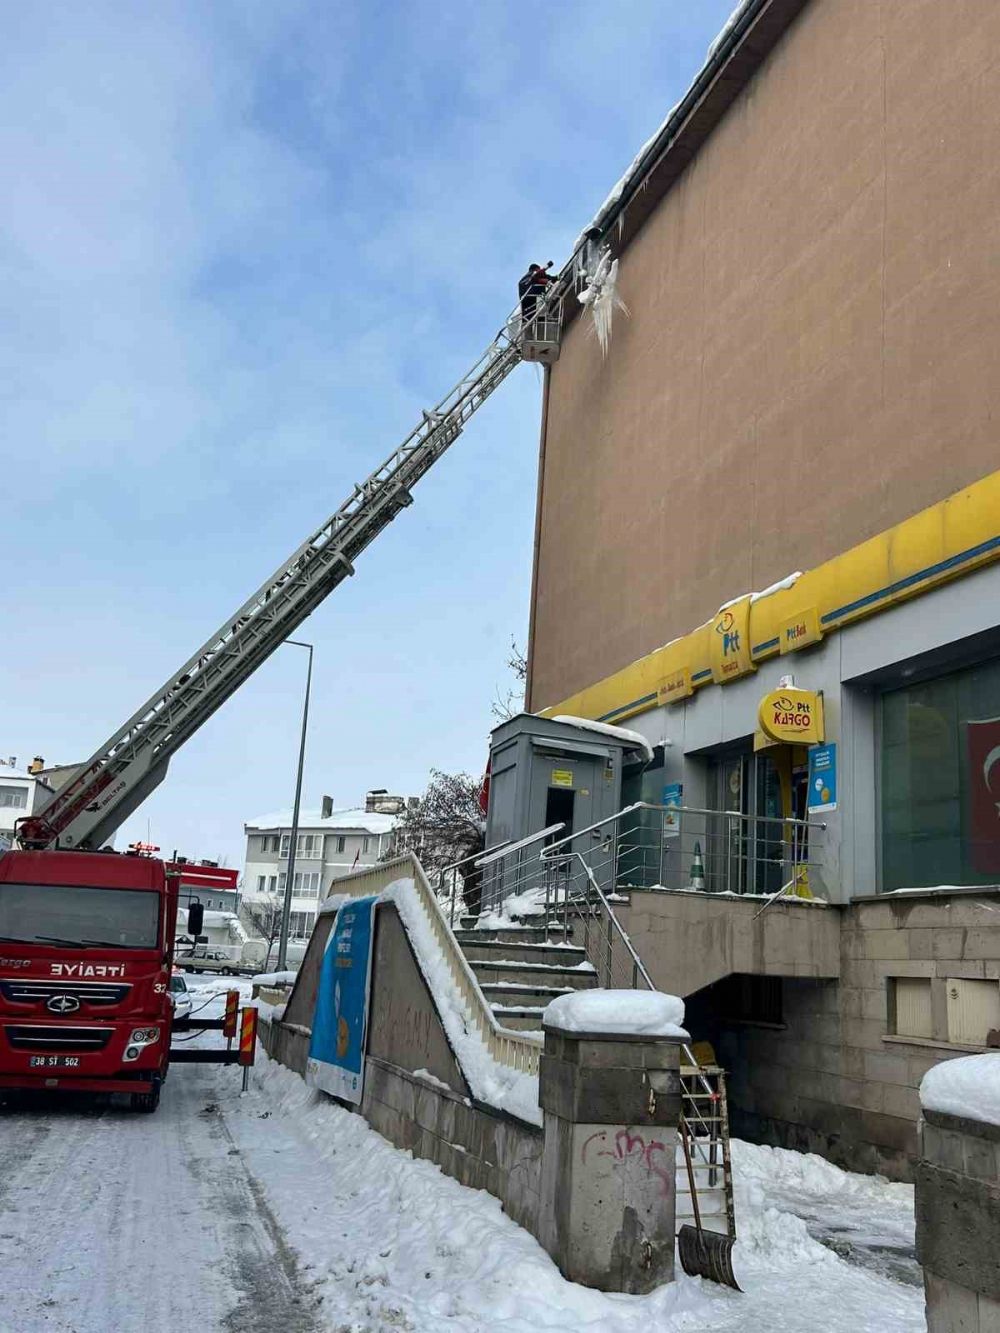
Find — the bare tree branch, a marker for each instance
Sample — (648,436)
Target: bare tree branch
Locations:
(446,824)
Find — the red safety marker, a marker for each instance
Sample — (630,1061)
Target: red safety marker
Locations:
(232,1010)
(248,1036)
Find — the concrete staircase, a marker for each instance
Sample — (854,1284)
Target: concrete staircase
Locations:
(523,967)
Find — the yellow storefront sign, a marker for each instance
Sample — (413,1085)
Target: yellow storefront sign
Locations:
(799,631)
(562,777)
(792,715)
(676,686)
(729,642)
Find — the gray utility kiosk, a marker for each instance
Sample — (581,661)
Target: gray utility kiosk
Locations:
(549,771)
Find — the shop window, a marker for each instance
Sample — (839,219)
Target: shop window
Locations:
(940,780)
(973,1010)
(910,1007)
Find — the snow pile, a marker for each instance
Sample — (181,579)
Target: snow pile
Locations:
(273,979)
(269,1013)
(780,1172)
(632,1012)
(511,1090)
(968,1086)
(631,738)
(388,1242)
(392,1243)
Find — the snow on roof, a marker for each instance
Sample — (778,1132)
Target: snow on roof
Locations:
(635,1012)
(968,1086)
(631,738)
(6,773)
(639,162)
(350,821)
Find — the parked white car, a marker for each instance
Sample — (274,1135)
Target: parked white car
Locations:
(180,995)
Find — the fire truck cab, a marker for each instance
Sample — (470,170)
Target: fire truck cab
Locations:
(86,949)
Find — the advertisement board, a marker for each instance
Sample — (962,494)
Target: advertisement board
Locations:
(337,1047)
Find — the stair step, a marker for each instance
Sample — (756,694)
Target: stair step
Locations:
(511,996)
(557,955)
(534,974)
(522,1018)
(510,934)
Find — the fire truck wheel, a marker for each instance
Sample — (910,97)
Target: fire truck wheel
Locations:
(147,1102)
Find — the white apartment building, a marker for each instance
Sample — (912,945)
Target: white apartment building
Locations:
(21,793)
(330,844)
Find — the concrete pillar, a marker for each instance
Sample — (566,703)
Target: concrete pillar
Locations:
(612,1106)
(958,1205)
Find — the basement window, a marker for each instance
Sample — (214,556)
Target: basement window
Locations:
(757,1000)
(973,1010)
(909,1001)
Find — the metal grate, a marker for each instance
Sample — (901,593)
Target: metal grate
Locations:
(38,992)
(38,1038)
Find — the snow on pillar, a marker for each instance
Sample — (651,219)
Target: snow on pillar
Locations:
(609,1086)
(958,1194)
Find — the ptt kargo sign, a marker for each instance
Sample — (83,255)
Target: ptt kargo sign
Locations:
(792,715)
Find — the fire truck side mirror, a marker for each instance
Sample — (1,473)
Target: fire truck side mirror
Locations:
(196,918)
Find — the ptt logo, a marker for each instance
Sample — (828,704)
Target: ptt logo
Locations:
(730,635)
(792,713)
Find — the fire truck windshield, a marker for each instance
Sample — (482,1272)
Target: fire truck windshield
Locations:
(78,916)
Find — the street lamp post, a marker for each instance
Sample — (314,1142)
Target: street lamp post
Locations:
(290,869)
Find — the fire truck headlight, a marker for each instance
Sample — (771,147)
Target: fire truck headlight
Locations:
(131,1052)
(144,1037)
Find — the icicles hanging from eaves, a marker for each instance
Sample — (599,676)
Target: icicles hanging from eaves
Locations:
(600,297)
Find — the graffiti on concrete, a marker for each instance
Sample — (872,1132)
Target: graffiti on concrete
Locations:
(632,1157)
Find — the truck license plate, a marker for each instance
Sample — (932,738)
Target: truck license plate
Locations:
(54,1062)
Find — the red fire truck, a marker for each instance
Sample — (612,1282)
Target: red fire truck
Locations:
(86,948)
(86,935)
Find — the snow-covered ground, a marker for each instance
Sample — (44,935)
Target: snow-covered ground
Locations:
(281,1211)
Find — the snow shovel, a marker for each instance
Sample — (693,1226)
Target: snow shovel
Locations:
(704,1253)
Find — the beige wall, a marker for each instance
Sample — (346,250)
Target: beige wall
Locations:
(813,351)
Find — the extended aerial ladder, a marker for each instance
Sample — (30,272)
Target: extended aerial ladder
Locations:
(87,810)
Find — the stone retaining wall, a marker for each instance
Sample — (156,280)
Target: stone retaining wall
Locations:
(958,1223)
(475,1144)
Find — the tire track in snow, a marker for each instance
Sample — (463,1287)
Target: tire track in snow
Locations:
(115,1222)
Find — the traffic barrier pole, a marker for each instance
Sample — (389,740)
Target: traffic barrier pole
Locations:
(232,1010)
(248,1043)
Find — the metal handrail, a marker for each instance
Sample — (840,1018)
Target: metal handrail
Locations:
(683,810)
(499,864)
(455,865)
(639,968)
(503,850)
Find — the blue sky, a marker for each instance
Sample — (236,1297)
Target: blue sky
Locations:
(241,246)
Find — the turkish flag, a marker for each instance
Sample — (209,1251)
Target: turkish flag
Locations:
(484,791)
(983,747)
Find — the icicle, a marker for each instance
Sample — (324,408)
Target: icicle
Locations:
(601,298)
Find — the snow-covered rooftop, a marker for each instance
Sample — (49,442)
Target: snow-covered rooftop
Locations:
(341,821)
(6,773)
(642,159)
(633,739)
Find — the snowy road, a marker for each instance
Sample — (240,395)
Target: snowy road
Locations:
(279,1211)
(112,1221)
